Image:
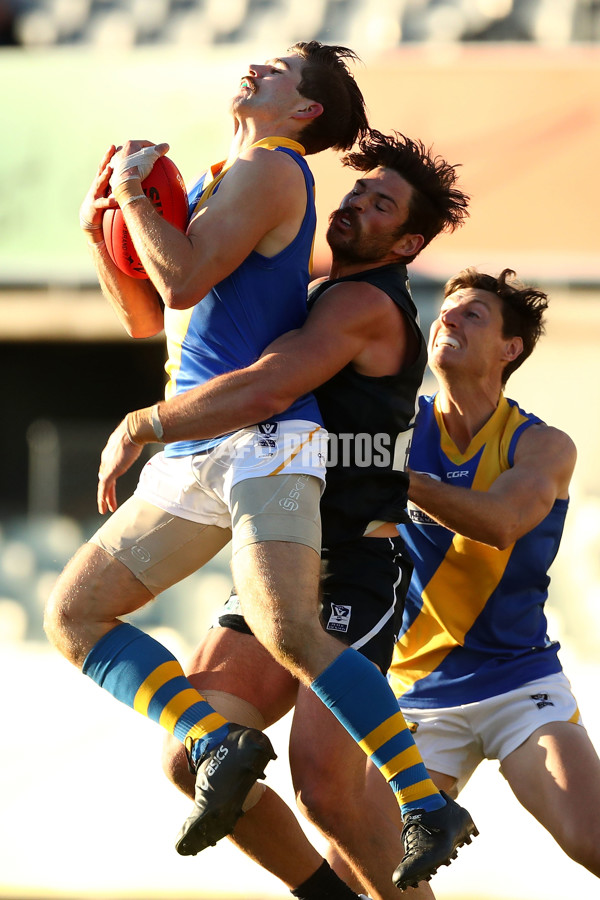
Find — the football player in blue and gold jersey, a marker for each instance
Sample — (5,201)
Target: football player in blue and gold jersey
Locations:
(474,669)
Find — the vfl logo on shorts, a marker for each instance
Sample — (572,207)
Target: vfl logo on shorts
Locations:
(339,619)
(541,700)
(266,445)
(412,726)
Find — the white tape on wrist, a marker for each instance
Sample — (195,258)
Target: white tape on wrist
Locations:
(88,226)
(131,199)
(128,431)
(156,423)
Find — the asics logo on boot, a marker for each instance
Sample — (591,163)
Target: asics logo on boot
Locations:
(219,755)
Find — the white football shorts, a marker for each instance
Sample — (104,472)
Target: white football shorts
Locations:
(454,740)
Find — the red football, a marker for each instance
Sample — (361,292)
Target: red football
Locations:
(165,187)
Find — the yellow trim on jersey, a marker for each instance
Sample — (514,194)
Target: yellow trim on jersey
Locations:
(177,322)
(456,595)
(219,169)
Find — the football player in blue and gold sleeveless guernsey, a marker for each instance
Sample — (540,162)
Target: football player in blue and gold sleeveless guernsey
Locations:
(232,283)
(474,669)
(225,332)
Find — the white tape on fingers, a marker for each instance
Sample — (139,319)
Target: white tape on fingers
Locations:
(143,160)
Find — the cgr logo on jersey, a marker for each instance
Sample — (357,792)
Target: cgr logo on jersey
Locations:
(339,619)
(463,471)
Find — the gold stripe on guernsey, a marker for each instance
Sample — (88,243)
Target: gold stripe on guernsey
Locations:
(296,452)
(179,704)
(178,323)
(575,717)
(219,170)
(155,680)
(179,319)
(455,594)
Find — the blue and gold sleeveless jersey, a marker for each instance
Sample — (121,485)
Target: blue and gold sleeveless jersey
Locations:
(261,300)
(474,623)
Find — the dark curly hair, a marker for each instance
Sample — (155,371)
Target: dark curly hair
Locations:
(523,307)
(327,79)
(436,203)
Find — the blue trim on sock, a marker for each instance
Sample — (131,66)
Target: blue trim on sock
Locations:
(429,804)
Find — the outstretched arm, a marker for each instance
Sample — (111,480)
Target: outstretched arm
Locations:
(348,321)
(515,503)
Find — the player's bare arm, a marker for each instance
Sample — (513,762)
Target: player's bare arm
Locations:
(259,206)
(351,323)
(135,302)
(348,319)
(516,502)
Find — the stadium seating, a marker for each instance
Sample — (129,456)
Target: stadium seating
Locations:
(126,23)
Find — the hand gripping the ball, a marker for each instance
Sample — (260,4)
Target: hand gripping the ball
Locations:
(138,164)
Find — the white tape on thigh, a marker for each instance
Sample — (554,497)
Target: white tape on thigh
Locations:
(234,709)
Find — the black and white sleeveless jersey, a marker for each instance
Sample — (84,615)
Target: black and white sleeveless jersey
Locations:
(370,422)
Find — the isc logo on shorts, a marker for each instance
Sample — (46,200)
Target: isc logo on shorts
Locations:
(339,619)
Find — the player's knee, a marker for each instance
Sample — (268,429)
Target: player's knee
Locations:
(317,788)
(175,766)
(74,587)
(56,614)
(320,804)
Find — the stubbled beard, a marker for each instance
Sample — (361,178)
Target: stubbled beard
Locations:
(353,247)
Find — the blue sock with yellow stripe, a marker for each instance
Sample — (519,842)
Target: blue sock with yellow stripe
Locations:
(143,674)
(361,699)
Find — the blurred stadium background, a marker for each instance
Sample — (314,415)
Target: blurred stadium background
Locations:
(508,88)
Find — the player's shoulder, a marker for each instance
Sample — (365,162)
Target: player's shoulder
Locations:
(356,292)
(268,159)
(541,439)
(360,306)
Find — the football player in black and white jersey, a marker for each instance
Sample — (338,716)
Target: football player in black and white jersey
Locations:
(361,351)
